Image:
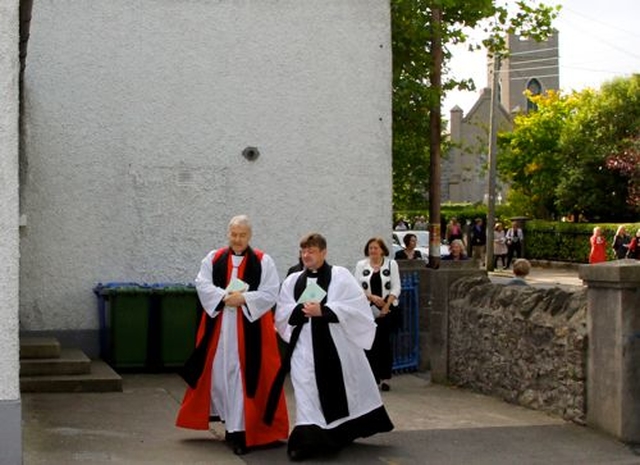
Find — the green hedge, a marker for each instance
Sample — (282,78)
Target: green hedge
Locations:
(544,240)
(465,213)
(566,242)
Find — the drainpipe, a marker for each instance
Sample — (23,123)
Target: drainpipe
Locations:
(25,25)
(26,7)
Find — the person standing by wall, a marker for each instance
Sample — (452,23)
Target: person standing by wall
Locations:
(478,240)
(634,247)
(379,276)
(236,357)
(514,239)
(621,242)
(401,225)
(454,230)
(456,251)
(421,224)
(325,317)
(499,246)
(409,252)
(598,252)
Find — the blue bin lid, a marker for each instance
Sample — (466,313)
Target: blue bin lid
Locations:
(118,287)
(173,288)
(132,287)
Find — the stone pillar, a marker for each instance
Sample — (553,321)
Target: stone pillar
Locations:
(613,362)
(436,314)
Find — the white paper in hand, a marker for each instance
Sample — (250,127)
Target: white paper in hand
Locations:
(312,293)
(236,285)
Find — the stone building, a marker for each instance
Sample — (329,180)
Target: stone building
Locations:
(532,66)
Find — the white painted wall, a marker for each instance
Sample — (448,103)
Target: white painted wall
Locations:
(137,116)
(9,69)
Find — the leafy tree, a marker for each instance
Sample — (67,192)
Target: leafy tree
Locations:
(608,128)
(414,38)
(578,154)
(626,161)
(531,158)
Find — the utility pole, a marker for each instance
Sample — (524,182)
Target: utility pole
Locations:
(493,142)
(435,129)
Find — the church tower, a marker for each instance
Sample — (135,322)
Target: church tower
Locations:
(532,66)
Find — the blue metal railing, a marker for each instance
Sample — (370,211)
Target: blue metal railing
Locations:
(404,342)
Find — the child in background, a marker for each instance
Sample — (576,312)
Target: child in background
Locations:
(521,268)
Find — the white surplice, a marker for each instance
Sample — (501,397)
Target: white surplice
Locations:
(352,334)
(227,393)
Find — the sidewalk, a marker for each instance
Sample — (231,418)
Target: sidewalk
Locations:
(434,424)
(544,276)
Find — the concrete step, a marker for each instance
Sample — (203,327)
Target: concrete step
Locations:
(102,378)
(70,362)
(39,347)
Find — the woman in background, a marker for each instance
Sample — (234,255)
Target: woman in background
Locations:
(598,242)
(499,246)
(379,276)
(621,242)
(634,247)
(454,230)
(456,251)
(409,252)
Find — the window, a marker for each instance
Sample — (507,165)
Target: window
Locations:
(535,88)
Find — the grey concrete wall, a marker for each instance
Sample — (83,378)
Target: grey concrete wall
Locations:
(10,444)
(137,114)
(435,325)
(613,372)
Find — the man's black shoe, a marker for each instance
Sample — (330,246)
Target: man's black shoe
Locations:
(239,450)
(296,455)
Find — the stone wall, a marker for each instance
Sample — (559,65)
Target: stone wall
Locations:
(525,345)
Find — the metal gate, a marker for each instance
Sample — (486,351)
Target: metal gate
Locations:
(404,342)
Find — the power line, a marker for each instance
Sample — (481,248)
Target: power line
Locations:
(537,68)
(525,62)
(590,33)
(615,28)
(534,77)
(610,71)
(528,52)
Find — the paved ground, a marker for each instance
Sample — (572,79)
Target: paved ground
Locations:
(434,424)
(543,277)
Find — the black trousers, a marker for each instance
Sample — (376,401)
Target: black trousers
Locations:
(380,355)
(514,249)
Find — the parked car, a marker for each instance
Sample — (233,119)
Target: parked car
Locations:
(423,243)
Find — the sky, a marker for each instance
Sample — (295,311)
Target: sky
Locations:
(598,40)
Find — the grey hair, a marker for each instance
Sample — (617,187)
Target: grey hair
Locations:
(240,220)
(461,244)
